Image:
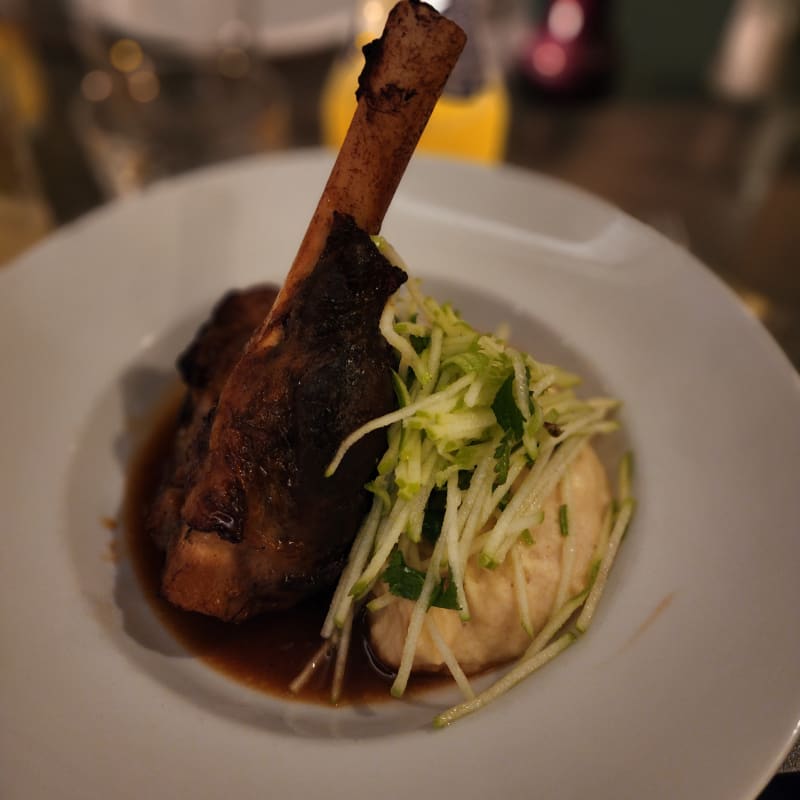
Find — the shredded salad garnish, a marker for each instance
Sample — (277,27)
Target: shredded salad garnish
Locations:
(482,434)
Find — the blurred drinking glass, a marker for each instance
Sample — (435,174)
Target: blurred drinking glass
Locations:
(151,107)
(471,119)
(24,213)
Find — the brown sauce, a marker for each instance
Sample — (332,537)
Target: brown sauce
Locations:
(265,653)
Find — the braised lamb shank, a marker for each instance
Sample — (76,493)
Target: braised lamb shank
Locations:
(259,526)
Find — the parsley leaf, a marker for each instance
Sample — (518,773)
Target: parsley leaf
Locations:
(444,595)
(509,417)
(419,343)
(434,515)
(405,581)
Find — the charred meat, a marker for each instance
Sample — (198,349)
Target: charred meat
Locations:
(260,526)
(203,368)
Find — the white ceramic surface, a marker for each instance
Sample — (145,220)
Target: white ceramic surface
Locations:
(686,686)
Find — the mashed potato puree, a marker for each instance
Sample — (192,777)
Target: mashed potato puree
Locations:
(494,633)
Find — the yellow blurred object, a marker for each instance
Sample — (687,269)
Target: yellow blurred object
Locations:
(23,221)
(23,75)
(24,214)
(471,125)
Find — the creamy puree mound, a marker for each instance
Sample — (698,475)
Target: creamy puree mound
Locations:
(494,633)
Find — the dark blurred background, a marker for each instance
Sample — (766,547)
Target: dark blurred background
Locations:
(684,113)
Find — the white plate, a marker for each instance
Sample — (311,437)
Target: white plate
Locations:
(686,686)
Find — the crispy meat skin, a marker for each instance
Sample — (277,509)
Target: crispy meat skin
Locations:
(206,363)
(261,525)
(204,366)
